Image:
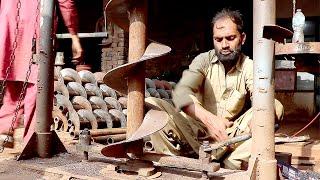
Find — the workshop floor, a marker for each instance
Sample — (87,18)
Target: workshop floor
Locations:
(70,165)
(290,128)
(305,155)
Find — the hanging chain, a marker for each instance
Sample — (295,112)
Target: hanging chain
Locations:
(25,83)
(12,55)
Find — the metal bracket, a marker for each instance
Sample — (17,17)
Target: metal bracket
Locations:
(31,149)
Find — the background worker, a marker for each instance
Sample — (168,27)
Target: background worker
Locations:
(19,25)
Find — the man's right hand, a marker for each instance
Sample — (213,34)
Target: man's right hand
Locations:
(216,125)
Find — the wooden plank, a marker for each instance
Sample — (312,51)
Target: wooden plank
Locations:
(297,48)
(302,149)
(295,160)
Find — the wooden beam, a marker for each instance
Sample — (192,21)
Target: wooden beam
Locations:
(301,149)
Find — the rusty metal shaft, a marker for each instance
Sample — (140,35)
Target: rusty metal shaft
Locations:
(263,96)
(45,82)
(136,84)
(104,132)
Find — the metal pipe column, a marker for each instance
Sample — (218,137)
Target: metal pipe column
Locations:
(263,96)
(136,81)
(45,81)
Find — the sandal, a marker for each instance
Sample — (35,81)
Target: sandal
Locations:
(6,141)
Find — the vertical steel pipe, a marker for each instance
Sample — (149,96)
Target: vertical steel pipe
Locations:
(136,81)
(317,90)
(263,96)
(45,81)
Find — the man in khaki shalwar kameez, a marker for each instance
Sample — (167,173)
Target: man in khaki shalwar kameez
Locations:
(212,98)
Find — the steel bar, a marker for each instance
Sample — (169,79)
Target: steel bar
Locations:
(83,35)
(45,82)
(104,132)
(263,94)
(136,82)
(109,139)
(43,140)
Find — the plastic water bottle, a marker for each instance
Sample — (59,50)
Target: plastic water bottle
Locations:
(298,23)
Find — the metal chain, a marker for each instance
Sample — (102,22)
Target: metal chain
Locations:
(12,55)
(25,83)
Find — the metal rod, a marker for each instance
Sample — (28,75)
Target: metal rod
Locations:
(45,81)
(103,132)
(136,81)
(263,94)
(109,139)
(83,35)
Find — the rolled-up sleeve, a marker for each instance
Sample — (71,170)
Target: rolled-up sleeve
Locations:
(190,83)
(70,15)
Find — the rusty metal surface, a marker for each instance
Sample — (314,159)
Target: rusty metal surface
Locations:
(84,143)
(262,154)
(98,103)
(99,76)
(117,78)
(109,139)
(76,89)
(87,77)
(87,116)
(62,123)
(117,12)
(60,88)
(153,122)
(297,48)
(103,117)
(107,91)
(63,103)
(69,74)
(79,102)
(103,132)
(276,33)
(285,80)
(108,131)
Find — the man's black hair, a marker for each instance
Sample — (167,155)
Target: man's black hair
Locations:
(234,15)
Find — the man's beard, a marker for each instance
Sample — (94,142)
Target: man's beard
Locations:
(233,56)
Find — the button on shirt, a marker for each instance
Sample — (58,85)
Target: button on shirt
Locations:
(206,83)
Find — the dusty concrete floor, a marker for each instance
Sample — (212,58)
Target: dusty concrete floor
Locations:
(70,165)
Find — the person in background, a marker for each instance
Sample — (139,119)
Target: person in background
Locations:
(213,98)
(19,21)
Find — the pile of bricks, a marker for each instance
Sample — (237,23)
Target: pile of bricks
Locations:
(114,52)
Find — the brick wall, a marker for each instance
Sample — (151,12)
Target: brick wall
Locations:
(115,50)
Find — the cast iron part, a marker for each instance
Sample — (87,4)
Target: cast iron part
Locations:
(205,157)
(84,143)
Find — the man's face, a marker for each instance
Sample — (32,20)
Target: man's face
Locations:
(227,40)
